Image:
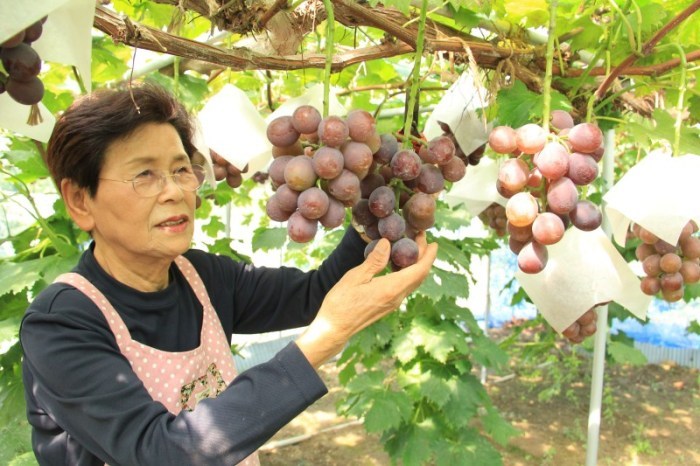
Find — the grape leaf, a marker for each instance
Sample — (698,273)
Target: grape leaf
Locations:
(435,388)
(387,411)
(465,398)
(626,354)
(265,239)
(499,429)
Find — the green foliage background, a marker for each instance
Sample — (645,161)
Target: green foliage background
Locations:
(409,376)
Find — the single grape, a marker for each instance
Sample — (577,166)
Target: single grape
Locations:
(454,170)
(522,234)
(372,231)
(585,137)
(404,252)
(650,285)
(642,251)
(535,178)
(533,257)
(328,162)
(586,216)
(300,229)
(287,197)
(277,167)
(25,92)
(333,131)
(392,227)
(371,182)
(22,63)
(673,295)
(421,206)
(382,201)
(647,236)
(361,125)
(521,209)
(662,247)
(405,164)
(389,146)
(552,161)
(33,32)
(430,179)
(547,228)
(294,149)
(345,187)
(690,271)
(515,245)
(502,139)
(281,132)
(357,157)
(306,119)
(561,119)
(274,211)
(587,317)
(583,169)
(13,41)
(588,330)
(299,173)
(370,247)
(513,175)
(313,203)
(690,247)
(687,230)
(671,281)
(443,148)
(361,213)
(334,216)
(530,138)
(651,265)
(426,155)
(562,196)
(572,332)
(670,263)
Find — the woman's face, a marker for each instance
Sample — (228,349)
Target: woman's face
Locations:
(143,229)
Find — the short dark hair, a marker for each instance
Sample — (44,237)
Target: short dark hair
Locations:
(76,149)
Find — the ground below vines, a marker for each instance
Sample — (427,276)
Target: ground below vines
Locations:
(651,417)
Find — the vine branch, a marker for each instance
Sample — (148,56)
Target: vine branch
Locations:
(646,48)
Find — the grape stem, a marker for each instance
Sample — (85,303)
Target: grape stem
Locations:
(330,40)
(415,76)
(410,137)
(547,84)
(681,97)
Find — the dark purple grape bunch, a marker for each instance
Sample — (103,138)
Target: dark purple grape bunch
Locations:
(494,217)
(473,158)
(322,166)
(542,181)
(22,66)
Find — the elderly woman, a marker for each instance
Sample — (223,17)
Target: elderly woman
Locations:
(127,358)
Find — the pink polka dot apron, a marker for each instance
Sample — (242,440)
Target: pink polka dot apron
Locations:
(176,379)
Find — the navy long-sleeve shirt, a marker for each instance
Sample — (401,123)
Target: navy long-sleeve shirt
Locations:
(87,406)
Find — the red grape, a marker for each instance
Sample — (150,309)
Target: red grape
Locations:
(502,139)
(533,257)
(306,119)
(300,229)
(281,132)
(404,252)
(585,137)
(361,125)
(530,138)
(333,131)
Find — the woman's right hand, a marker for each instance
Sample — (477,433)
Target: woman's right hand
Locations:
(361,298)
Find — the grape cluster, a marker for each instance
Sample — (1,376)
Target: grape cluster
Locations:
(225,170)
(22,65)
(473,157)
(668,267)
(494,217)
(585,326)
(322,166)
(541,180)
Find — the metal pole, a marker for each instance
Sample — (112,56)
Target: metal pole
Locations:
(602,325)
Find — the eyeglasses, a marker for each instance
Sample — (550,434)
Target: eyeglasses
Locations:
(150,183)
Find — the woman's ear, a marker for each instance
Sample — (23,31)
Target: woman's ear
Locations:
(77,204)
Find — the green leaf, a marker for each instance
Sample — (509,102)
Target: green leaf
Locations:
(444,284)
(269,238)
(387,411)
(464,17)
(22,275)
(515,105)
(466,396)
(214,227)
(31,166)
(626,354)
(662,127)
(497,427)
(435,388)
